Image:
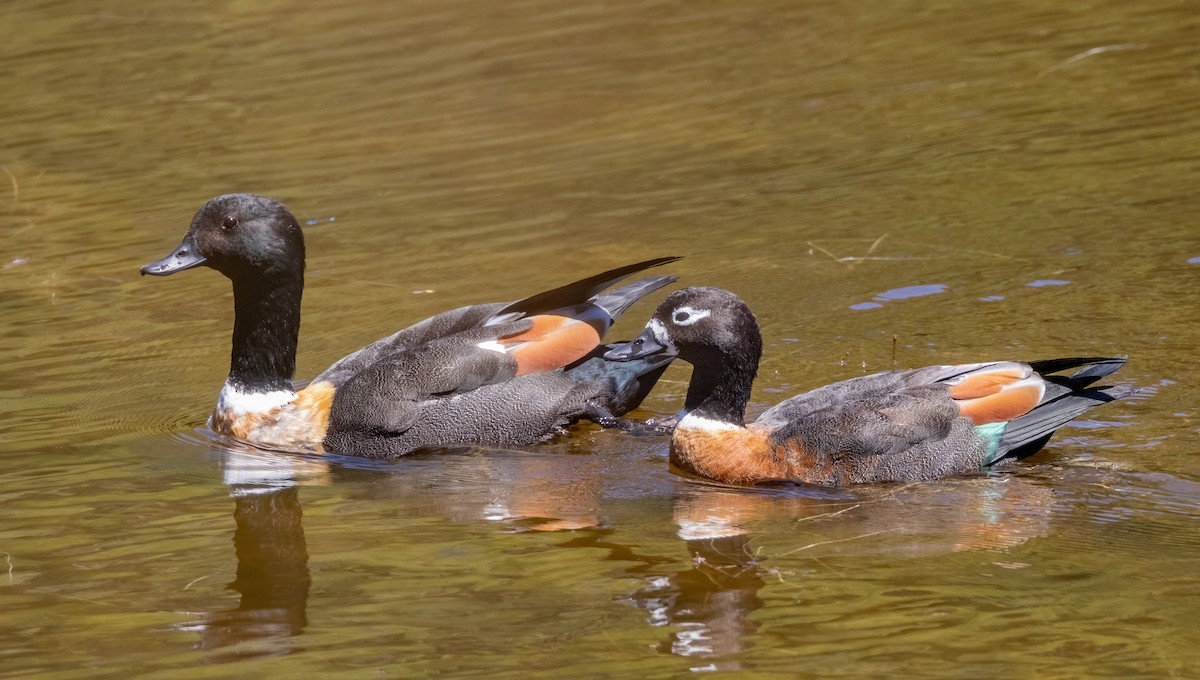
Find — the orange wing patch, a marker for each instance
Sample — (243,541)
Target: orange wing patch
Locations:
(556,340)
(1005,403)
(984,383)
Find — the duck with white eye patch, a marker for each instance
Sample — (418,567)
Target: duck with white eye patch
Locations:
(905,425)
(492,374)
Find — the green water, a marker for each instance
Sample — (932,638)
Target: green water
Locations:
(978,180)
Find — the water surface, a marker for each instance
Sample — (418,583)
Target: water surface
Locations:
(995,180)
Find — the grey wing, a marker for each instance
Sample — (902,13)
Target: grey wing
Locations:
(524,410)
(876,425)
(913,434)
(439,326)
(386,396)
(899,426)
(863,387)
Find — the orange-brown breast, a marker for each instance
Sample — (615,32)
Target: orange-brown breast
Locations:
(314,402)
(240,425)
(734,455)
(299,424)
(748,456)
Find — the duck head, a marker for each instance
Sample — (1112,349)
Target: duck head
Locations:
(714,331)
(243,236)
(703,326)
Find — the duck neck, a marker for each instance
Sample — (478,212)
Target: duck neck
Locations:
(266,330)
(720,389)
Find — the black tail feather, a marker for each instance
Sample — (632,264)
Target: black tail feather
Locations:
(1067,397)
(1094,368)
(616,301)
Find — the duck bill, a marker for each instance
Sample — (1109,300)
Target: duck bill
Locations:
(643,345)
(186,256)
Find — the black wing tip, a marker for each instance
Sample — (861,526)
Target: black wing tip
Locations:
(582,290)
(662,260)
(1093,369)
(618,300)
(1113,363)
(1028,433)
(1110,393)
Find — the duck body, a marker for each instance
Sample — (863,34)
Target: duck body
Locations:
(498,373)
(906,425)
(523,410)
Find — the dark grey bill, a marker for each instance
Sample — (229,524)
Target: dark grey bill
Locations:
(642,346)
(185,256)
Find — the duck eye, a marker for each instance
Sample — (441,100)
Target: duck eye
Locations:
(230,222)
(686,316)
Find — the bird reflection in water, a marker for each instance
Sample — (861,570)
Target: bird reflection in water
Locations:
(708,606)
(738,541)
(272,557)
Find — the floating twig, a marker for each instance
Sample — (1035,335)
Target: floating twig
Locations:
(15,187)
(1119,47)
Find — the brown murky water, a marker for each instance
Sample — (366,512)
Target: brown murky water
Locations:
(980,180)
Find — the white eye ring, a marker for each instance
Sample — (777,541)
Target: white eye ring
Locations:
(686,316)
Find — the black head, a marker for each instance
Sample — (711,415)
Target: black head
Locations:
(701,326)
(243,236)
(714,331)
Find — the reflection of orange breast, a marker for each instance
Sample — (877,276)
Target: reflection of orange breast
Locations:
(298,424)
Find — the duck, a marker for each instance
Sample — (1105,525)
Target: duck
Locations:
(897,426)
(502,373)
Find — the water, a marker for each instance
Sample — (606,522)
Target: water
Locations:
(1008,180)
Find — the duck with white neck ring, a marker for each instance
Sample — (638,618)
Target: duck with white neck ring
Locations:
(493,374)
(906,425)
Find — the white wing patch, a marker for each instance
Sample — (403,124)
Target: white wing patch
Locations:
(971,370)
(686,316)
(1034,381)
(494,346)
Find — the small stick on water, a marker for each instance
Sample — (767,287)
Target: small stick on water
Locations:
(195,581)
(939,252)
(893,349)
(870,250)
(837,540)
(828,514)
(16,187)
(1090,53)
(850,260)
